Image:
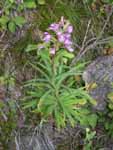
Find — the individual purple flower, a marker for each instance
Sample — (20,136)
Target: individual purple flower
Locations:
(52,51)
(47,37)
(54,27)
(69,48)
(46,33)
(67,35)
(58,33)
(70,29)
(67,42)
(61,38)
(41,46)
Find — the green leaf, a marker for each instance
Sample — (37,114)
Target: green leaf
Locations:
(44,55)
(41,2)
(84,111)
(107,125)
(73,102)
(41,71)
(67,54)
(46,67)
(19,20)
(82,101)
(63,76)
(92,119)
(30,4)
(12,26)
(31,47)
(83,120)
(90,134)
(110,106)
(12,1)
(110,96)
(30,104)
(4,20)
(1,104)
(60,121)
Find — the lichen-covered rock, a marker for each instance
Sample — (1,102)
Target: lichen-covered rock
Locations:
(100,72)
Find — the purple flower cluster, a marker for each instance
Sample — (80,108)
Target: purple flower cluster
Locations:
(63,31)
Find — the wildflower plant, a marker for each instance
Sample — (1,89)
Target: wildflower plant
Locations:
(53,93)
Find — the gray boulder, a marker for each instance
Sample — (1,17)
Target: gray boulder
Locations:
(100,72)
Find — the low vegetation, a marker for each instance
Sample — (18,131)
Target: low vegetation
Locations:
(45,46)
